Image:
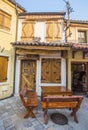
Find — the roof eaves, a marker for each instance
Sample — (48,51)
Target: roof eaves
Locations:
(78,21)
(43,13)
(17,4)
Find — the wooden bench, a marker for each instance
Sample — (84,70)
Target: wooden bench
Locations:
(54,90)
(55,102)
(30,102)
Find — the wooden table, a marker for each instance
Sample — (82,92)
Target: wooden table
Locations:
(54,90)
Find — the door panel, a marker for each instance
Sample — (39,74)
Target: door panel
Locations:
(28,74)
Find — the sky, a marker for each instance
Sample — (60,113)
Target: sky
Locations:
(80,7)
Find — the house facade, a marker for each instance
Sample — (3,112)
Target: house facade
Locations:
(45,51)
(40,59)
(48,53)
(9,10)
(78,56)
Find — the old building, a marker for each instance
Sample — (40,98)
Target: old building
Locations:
(45,50)
(78,56)
(9,10)
(40,54)
(50,53)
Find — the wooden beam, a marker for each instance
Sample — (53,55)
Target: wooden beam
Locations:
(25,52)
(42,47)
(27,57)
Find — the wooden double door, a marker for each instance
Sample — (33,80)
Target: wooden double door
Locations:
(28,74)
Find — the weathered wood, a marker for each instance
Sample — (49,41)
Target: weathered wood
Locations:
(36,52)
(3,68)
(51,70)
(24,77)
(42,47)
(54,90)
(52,31)
(55,102)
(28,73)
(27,31)
(30,102)
(28,57)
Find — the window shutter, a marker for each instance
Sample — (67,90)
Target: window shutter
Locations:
(3,69)
(52,31)
(51,70)
(49,31)
(27,31)
(56,31)
(5,20)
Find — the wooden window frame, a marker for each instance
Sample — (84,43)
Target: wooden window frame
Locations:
(5,17)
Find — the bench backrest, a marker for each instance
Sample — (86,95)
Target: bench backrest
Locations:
(23,92)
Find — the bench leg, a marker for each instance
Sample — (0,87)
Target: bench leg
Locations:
(30,113)
(75,116)
(45,116)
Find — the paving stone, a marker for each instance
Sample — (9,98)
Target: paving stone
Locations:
(1,123)
(14,117)
(38,127)
(11,127)
(1,103)
(12,114)
(27,124)
(2,109)
(4,115)
(7,122)
(2,128)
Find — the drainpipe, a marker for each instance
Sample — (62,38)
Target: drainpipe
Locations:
(67,72)
(15,48)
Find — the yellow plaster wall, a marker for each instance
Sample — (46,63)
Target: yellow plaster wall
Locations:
(74,32)
(78,57)
(6,89)
(5,36)
(73,36)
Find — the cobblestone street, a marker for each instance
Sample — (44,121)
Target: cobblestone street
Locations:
(12,113)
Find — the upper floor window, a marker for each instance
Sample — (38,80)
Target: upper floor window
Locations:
(5,20)
(82,36)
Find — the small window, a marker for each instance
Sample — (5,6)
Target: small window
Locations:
(3,68)
(5,21)
(82,36)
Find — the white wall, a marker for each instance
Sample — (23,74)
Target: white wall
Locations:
(17,77)
(40,30)
(19,29)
